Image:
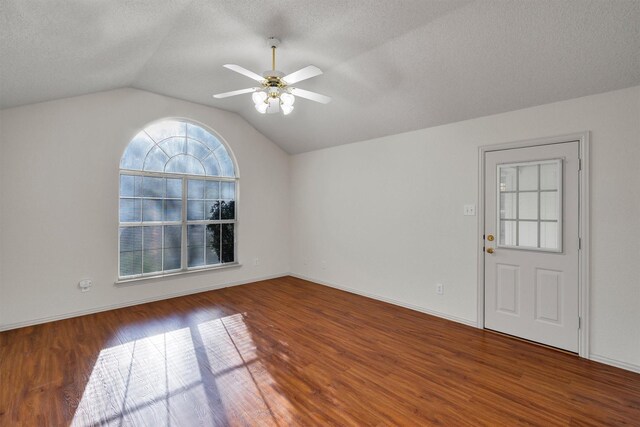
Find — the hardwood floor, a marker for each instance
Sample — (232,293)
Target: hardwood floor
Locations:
(289,352)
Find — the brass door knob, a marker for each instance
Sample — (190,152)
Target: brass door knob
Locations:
(490,250)
(490,237)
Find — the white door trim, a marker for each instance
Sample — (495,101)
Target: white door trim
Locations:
(583,226)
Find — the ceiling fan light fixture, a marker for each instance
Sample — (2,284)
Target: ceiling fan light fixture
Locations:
(262,107)
(273,105)
(287,99)
(287,109)
(259,97)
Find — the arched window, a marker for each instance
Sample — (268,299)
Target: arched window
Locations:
(178,189)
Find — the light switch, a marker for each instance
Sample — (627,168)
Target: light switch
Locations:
(470,210)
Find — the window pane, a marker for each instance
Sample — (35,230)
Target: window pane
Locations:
(136,151)
(130,251)
(212,255)
(195,189)
(549,205)
(212,252)
(174,146)
(227,234)
(174,188)
(152,237)
(152,210)
(195,250)
(197,149)
(172,259)
(212,190)
(152,187)
(528,177)
(172,247)
(185,164)
(508,178)
(196,132)
(173,236)
(130,210)
(130,239)
(130,263)
(211,165)
(227,253)
(507,233)
(195,256)
(173,210)
(226,165)
(212,210)
(152,261)
(528,234)
(508,205)
(195,235)
(549,176)
(166,129)
(130,186)
(528,205)
(228,190)
(195,210)
(155,161)
(549,235)
(227,209)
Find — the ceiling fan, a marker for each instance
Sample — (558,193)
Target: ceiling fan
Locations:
(275,92)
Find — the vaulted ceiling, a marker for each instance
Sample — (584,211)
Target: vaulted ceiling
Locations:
(390,66)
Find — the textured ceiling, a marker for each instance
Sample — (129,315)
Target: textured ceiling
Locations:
(390,66)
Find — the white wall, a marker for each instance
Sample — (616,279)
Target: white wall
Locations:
(59,208)
(386,215)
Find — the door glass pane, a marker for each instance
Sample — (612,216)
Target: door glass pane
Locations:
(508,205)
(549,205)
(528,234)
(529,205)
(508,178)
(527,177)
(549,176)
(507,233)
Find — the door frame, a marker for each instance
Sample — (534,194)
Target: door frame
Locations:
(583,138)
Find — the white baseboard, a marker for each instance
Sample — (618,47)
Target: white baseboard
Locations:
(40,320)
(615,363)
(388,300)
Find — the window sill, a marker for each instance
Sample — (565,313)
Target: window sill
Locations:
(132,281)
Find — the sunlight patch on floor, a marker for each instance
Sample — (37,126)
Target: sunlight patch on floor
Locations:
(142,382)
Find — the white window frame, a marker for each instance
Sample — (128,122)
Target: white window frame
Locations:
(184,223)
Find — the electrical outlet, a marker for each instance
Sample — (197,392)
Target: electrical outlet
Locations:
(323,264)
(85,285)
(256,261)
(440,289)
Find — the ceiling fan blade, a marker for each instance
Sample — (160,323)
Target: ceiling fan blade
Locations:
(323,99)
(303,74)
(244,71)
(236,92)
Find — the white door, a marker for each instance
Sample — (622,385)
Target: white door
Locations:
(531,243)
